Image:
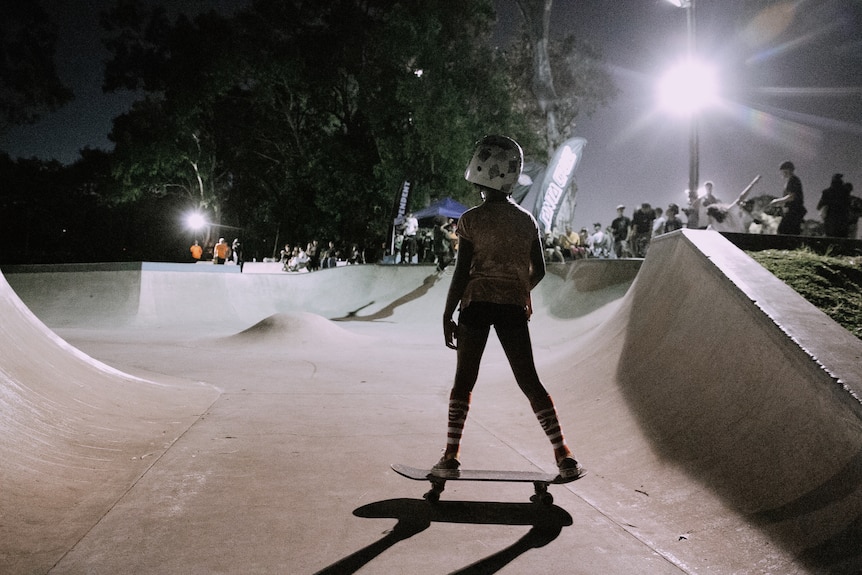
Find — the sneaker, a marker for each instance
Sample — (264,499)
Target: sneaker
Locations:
(446,467)
(570,468)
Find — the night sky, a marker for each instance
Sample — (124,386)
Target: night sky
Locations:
(790,80)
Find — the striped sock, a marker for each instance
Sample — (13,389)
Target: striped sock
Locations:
(547,417)
(457,416)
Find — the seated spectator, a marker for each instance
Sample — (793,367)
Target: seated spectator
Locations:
(570,244)
(331,256)
(298,261)
(356,255)
(597,243)
(552,249)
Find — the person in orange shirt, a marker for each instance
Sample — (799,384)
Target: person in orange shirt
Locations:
(220,251)
(197,251)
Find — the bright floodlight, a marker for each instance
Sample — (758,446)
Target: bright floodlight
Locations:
(196,221)
(688,88)
(680,3)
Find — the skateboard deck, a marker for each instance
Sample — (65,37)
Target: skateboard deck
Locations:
(540,480)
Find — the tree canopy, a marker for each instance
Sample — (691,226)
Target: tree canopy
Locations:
(29,84)
(293,120)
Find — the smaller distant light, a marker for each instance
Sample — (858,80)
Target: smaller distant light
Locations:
(196,221)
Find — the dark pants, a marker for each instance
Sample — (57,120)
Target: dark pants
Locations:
(510,323)
(408,249)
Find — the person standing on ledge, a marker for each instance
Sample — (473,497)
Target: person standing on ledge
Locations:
(500,260)
(197,251)
(220,251)
(792,201)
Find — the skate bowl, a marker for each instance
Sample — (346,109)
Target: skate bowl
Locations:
(717,411)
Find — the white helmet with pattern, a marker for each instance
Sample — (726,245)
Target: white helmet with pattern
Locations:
(496,163)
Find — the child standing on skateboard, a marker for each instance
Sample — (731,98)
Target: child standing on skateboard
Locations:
(500,260)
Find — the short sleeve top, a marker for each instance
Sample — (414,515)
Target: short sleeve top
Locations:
(502,234)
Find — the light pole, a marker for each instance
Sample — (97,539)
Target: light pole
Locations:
(693,138)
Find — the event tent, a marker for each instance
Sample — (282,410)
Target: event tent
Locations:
(446,207)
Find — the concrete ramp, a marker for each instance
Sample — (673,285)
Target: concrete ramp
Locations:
(75,436)
(752,390)
(713,369)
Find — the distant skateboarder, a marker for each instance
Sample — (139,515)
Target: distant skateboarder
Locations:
(500,260)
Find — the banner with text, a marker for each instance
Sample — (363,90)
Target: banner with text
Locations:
(549,189)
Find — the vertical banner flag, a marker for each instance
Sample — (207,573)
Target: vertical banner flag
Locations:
(398,211)
(556,182)
(401,201)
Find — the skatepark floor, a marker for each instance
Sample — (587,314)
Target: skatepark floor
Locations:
(204,429)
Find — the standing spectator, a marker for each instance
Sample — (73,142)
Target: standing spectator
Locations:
(453,238)
(698,218)
(197,251)
(441,242)
(285,254)
(313,253)
(426,245)
(408,244)
(672,221)
(691,219)
(855,213)
(236,253)
(641,230)
(658,222)
(793,201)
(499,262)
(221,251)
(834,206)
(621,227)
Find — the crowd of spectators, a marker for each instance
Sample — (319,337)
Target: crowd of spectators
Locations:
(627,236)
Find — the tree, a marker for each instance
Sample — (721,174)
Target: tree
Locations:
(304,118)
(565,77)
(29,85)
(301,120)
(167,144)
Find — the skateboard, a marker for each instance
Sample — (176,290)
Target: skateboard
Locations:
(540,480)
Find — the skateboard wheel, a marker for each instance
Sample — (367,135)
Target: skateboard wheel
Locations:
(543,498)
(432,496)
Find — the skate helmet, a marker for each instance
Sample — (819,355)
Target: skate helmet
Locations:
(787,166)
(496,163)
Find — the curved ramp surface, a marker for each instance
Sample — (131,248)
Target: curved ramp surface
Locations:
(717,412)
(734,380)
(162,295)
(75,435)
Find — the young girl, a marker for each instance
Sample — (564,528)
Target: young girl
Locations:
(500,260)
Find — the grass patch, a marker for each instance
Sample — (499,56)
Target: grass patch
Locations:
(832,283)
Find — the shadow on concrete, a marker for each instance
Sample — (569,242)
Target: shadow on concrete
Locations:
(416,515)
(389,309)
